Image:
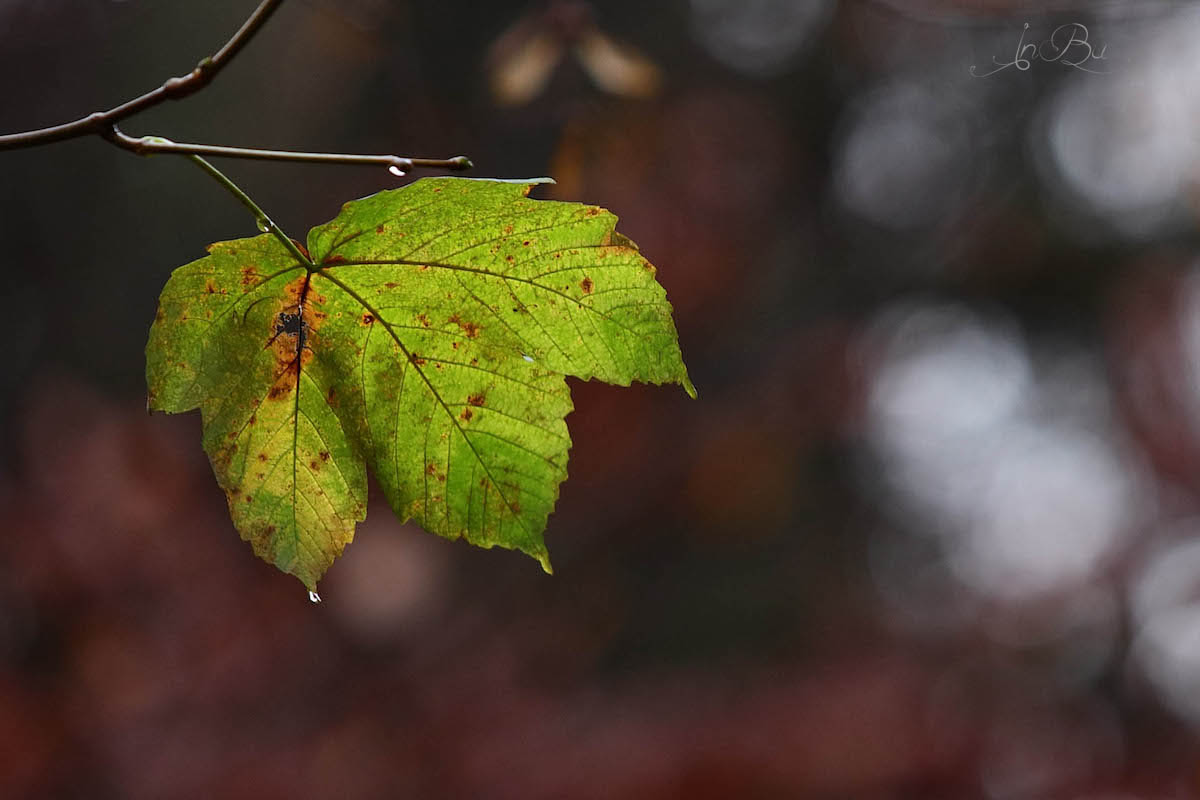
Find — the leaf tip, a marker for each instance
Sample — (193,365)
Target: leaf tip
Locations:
(544,559)
(690,388)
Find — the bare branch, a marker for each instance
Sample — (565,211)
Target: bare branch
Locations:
(173,89)
(151,145)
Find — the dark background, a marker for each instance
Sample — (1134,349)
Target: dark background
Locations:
(929,531)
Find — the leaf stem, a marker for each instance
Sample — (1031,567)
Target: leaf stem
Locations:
(151,145)
(265,223)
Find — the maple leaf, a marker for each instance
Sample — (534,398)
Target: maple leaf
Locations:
(426,336)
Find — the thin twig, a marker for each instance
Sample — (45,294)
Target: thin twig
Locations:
(150,145)
(173,89)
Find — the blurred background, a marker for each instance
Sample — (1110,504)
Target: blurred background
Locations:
(931,531)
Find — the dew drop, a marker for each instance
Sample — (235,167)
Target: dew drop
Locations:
(263,225)
(527,358)
(314,597)
(399,173)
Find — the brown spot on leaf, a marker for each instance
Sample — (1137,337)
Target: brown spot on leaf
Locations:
(338,259)
(431,469)
(331,397)
(282,388)
(416,359)
(249,276)
(391,285)
(471,329)
(466,414)
(525,243)
(586,284)
(314,465)
(367,319)
(379,229)
(262,457)
(476,399)
(249,499)
(508,229)
(210,287)
(423,319)
(509,258)
(324,454)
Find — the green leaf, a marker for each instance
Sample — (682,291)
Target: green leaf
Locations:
(428,339)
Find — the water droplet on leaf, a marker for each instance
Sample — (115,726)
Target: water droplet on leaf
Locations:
(399,173)
(263,225)
(527,358)
(314,597)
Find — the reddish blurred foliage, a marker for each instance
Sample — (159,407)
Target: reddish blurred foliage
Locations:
(736,609)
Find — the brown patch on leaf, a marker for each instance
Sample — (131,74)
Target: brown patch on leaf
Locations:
(324,454)
(338,259)
(423,319)
(283,386)
(476,399)
(331,397)
(367,319)
(586,284)
(379,228)
(314,465)
(431,469)
(249,275)
(471,329)
(466,414)
(262,457)
(416,359)
(210,287)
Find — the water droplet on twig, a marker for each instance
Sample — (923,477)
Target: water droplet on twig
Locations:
(314,597)
(263,225)
(395,170)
